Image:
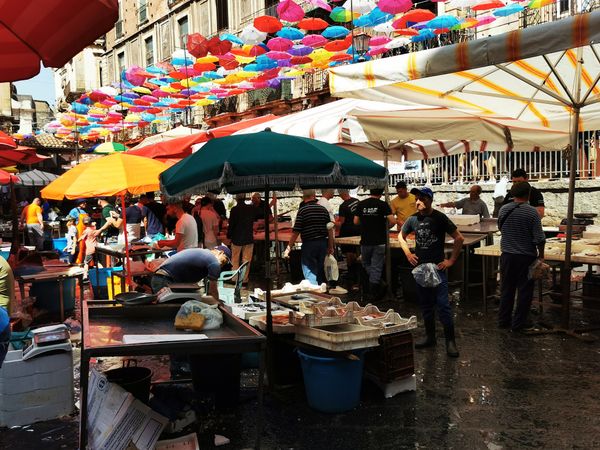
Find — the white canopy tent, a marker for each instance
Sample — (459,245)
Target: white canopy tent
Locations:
(176,132)
(547,74)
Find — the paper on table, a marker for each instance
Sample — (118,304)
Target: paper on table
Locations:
(187,442)
(151,338)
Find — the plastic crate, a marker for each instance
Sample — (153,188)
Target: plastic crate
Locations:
(393,359)
(340,337)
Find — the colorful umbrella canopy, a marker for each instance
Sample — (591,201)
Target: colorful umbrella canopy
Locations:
(289,11)
(484,5)
(267,24)
(394,6)
(116,174)
(312,24)
(51,32)
(109,147)
(6,141)
(413,16)
(512,8)
(7,178)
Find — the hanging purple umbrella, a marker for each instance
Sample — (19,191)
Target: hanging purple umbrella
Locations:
(300,50)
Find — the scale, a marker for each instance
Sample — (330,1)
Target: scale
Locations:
(178,292)
(48,339)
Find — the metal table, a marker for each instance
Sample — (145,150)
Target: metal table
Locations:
(488,227)
(105,324)
(58,275)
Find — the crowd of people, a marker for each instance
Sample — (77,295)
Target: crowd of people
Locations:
(197,232)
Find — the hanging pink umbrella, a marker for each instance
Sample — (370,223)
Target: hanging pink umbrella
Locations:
(395,6)
(314,40)
(377,50)
(135,75)
(377,41)
(289,11)
(320,4)
(484,20)
(278,55)
(280,44)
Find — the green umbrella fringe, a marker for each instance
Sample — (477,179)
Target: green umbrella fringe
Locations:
(237,184)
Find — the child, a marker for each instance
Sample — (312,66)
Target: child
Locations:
(71,236)
(89,237)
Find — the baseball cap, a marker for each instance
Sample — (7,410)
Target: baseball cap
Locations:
(401,185)
(225,250)
(425,191)
(79,201)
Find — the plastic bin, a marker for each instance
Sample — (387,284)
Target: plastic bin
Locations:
(99,280)
(59,244)
(47,294)
(133,379)
(332,384)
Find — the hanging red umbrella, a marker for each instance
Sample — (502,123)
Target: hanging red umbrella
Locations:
(267,24)
(257,50)
(300,60)
(228,61)
(49,31)
(289,11)
(487,4)
(312,24)
(204,67)
(338,45)
(6,141)
(341,57)
(218,47)
(197,45)
(414,16)
(8,178)
(406,31)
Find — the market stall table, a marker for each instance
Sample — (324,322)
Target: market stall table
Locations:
(494,251)
(471,240)
(58,274)
(106,327)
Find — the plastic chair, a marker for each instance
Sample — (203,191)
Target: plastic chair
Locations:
(230,295)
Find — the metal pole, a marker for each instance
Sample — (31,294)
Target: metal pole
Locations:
(388,248)
(268,290)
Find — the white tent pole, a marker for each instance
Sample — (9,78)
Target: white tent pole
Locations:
(566,271)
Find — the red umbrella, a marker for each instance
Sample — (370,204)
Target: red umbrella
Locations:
(415,16)
(20,155)
(267,24)
(312,24)
(228,61)
(218,47)
(341,57)
(7,178)
(6,141)
(50,31)
(406,31)
(204,67)
(300,60)
(338,45)
(487,4)
(197,45)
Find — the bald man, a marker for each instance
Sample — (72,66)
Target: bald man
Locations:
(471,204)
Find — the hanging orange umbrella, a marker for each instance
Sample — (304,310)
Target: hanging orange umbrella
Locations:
(312,24)
(267,24)
(414,16)
(487,4)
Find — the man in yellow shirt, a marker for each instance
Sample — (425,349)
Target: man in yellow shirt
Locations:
(32,217)
(404,205)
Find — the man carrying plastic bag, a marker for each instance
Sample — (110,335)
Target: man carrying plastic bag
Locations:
(430,227)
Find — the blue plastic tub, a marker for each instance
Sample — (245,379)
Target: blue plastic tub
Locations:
(98,278)
(59,244)
(47,295)
(332,385)
(5,255)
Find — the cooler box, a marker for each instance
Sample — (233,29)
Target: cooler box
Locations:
(35,390)
(99,279)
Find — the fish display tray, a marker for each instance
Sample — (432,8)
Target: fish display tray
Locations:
(260,322)
(339,337)
(391,322)
(245,311)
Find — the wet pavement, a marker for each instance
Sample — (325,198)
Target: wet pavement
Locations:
(505,391)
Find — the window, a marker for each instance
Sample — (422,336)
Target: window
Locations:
(142,11)
(166,46)
(563,6)
(271,7)
(149,51)
(120,63)
(182,28)
(222,14)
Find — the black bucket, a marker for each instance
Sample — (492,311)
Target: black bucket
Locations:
(133,379)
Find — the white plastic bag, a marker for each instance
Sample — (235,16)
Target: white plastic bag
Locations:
(213,318)
(426,275)
(501,188)
(331,268)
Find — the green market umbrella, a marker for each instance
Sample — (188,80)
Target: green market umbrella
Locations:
(267,161)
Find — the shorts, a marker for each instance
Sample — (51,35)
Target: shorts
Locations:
(88,258)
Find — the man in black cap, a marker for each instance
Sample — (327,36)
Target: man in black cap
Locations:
(403,205)
(523,241)
(536,199)
(430,227)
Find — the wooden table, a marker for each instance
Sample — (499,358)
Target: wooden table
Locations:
(58,274)
(470,241)
(494,251)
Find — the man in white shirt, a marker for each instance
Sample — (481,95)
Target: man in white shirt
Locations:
(326,195)
(186,231)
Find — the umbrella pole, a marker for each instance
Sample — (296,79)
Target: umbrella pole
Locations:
(277,250)
(268,290)
(126,263)
(388,247)
(14,247)
(565,273)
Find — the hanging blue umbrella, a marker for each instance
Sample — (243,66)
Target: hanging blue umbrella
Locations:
(335,32)
(372,18)
(293,34)
(424,34)
(443,21)
(511,8)
(156,70)
(231,38)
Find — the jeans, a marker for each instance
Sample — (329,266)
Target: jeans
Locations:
(515,271)
(160,281)
(429,298)
(313,260)
(373,259)
(4,340)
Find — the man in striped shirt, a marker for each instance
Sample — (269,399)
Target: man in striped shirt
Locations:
(312,224)
(522,243)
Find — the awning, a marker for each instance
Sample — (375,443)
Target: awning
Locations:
(537,74)
(20,155)
(168,135)
(35,178)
